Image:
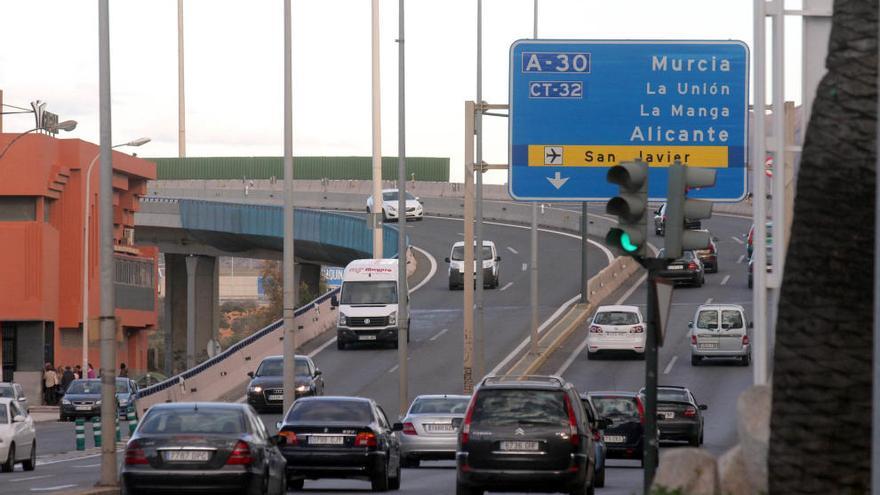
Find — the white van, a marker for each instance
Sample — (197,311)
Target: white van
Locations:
(491,265)
(369,303)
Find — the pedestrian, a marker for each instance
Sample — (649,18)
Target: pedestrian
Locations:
(77,372)
(66,377)
(50,380)
(123,371)
(91,372)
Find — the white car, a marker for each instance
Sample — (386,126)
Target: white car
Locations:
(18,439)
(414,208)
(617,328)
(491,265)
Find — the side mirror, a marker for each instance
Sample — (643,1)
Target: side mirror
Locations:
(18,419)
(418,199)
(397,427)
(690,324)
(278,440)
(22,399)
(334,301)
(703,407)
(446,259)
(278,425)
(318,372)
(498,258)
(250,374)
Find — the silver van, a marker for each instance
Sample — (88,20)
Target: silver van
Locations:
(720,331)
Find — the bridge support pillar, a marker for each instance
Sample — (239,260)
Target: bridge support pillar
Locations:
(310,275)
(192,306)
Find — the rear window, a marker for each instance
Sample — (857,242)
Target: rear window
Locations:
(439,406)
(672,395)
(511,407)
(732,318)
(330,411)
(708,320)
(616,407)
(616,318)
(208,421)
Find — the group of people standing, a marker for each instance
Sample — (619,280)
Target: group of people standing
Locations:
(56,381)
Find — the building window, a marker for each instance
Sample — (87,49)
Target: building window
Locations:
(18,208)
(137,273)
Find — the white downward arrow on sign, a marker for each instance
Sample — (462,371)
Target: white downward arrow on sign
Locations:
(557,181)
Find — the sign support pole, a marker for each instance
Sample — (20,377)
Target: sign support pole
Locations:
(468,274)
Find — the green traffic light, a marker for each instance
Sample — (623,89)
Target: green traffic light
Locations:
(627,244)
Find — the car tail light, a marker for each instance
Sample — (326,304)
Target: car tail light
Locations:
(134,454)
(745,340)
(692,266)
(573,436)
(365,439)
(409,429)
(241,455)
(641,409)
(466,424)
(690,412)
(637,329)
(694,339)
(595,329)
(289,435)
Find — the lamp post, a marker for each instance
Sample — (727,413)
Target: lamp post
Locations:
(86,221)
(67,126)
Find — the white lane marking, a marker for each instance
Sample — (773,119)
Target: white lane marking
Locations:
(46,463)
(31,478)
(52,488)
(577,351)
(394,368)
(738,240)
(525,266)
(88,465)
(431,272)
(506,286)
(725,279)
(741,258)
(670,365)
(461,234)
(437,336)
(708,301)
(514,251)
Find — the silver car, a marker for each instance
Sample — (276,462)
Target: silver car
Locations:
(720,330)
(430,428)
(15,392)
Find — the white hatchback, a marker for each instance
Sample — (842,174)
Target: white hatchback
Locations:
(18,438)
(617,328)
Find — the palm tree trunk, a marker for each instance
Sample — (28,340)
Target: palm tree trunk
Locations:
(820,436)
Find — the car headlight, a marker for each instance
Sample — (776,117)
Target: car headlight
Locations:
(342,320)
(98,402)
(256,389)
(302,388)
(65,402)
(392,318)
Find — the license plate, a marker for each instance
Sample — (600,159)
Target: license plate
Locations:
(325,440)
(519,446)
(709,346)
(366,337)
(615,438)
(439,428)
(276,397)
(83,408)
(676,267)
(186,455)
(668,414)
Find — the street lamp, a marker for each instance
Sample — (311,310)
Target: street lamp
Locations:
(86,221)
(67,126)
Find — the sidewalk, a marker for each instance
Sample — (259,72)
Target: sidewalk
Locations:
(42,414)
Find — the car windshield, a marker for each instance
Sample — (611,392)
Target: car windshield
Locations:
(513,407)
(458,253)
(616,407)
(708,319)
(731,318)
(392,196)
(330,411)
(439,406)
(275,367)
(369,293)
(91,387)
(672,394)
(6,391)
(616,318)
(198,421)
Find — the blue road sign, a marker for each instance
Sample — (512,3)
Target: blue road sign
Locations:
(580,107)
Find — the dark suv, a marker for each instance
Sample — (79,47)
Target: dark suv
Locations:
(525,433)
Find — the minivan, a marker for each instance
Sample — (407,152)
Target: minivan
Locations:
(369,303)
(720,331)
(491,265)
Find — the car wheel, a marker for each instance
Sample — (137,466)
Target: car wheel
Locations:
(394,483)
(694,441)
(640,356)
(695,360)
(750,282)
(379,481)
(410,462)
(296,485)
(591,355)
(701,437)
(599,479)
(745,360)
(340,345)
(9,465)
(31,463)
(461,489)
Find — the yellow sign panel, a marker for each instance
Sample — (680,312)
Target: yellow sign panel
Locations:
(607,156)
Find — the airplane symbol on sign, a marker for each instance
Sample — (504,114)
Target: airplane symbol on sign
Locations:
(552,155)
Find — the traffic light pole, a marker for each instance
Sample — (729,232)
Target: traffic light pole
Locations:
(651,445)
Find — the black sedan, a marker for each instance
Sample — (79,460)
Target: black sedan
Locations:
(340,437)
(83,399)
(685,270)
(625,435)
(597,424)
(679,415)
(207,447)
(266,389)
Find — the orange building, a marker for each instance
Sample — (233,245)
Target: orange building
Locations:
(42,215)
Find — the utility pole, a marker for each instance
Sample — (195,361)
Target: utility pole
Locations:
(376,211)
(289,286)
(585,275)
(403,307)
(105,215)
(478,244)
(468,267)
(181,98)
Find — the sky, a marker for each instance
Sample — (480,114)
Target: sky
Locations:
(234,67)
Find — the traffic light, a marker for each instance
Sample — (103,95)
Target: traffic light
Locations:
(630,206)
(679,208)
